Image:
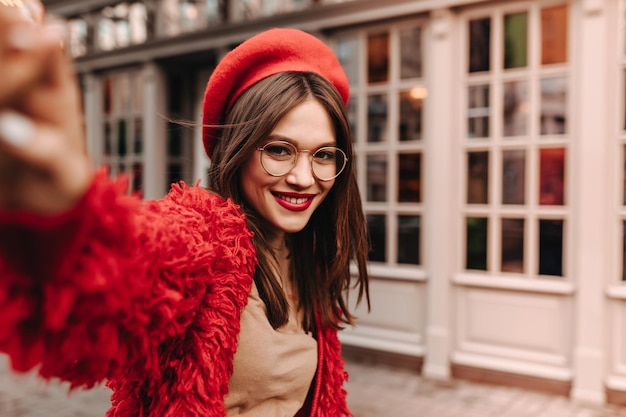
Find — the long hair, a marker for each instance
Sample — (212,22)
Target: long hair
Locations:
(335,235)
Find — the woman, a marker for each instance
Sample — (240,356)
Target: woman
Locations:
(203,303)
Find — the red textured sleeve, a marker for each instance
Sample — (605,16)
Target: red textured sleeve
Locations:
(94,291)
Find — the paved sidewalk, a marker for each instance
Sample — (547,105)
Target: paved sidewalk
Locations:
(373,391)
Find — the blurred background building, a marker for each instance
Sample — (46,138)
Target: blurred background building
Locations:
(490,139)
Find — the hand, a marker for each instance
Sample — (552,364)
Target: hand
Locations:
(43,164)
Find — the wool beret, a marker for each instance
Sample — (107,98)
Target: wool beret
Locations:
(265,54)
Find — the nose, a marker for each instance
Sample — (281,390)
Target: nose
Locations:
(301,175)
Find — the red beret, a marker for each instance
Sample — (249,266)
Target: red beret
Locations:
(265,54)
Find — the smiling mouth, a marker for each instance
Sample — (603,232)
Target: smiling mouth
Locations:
(293,203)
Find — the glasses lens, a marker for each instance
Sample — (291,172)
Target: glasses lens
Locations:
(328,162)
(278,158)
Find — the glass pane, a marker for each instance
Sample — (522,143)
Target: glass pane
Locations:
(409,240)
(512,257)
(122,146)
(174,173)
(477,177)
(174,139)
(77,29)
(138,136)
(624,176)
(377,118)
(553,106)
(378,58)
(377,234)
(123,92)
(554,35)
(376,178)
(352,118)
(478,111)
(105,38)
(411,105)
(624,251)
(515,40)
(137,183)
(347,50)
(107,139)
(409,178)
(107,86)
(516,108)
(551,247)
(476,243)
(411,53)
(513,177)
(479,45)
(552,176)
(138,21)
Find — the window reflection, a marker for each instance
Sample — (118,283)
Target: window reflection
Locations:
(409,228)
(409,178)
(377,233)
(515,108)
(478,111)
(376,178)
(554,26)
(553,106)
(78,32)
(254,9)
(378,58)
(513,177)
(411,103)
(377,118)
(180,16)
(122,25)
(411,53)
(512,256)
(551,247)
(515,40)
(347,50)
(479,45)
(476,243)
(552,176)
(477,177)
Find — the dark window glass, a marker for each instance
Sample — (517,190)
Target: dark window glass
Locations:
(377,234)
(476,243)
(552,176)
(551,247)
(478,177)
(411,53)
(376,178)
(411,106)
(122,146)
(515,40)
(513,177)
(409,239)
(512,257)
(174,139)
(410,178)
(478,111)
(137,181)
(378,58)
(554,106)
(138,136)
(554,23)
(479,45)
(515,108)
(377,118)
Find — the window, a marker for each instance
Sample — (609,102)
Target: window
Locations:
(516,141)
(123,141)
(122,25)
(386,110)
(242,10)
(179,16)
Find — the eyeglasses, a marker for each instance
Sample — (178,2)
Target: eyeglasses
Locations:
(279,157)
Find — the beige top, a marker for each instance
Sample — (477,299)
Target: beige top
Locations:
(272,369)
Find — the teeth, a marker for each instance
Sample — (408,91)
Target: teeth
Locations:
(294,200)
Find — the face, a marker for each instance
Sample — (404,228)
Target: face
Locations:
(288,202)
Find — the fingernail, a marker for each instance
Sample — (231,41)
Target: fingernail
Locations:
(22,37)
(16,129)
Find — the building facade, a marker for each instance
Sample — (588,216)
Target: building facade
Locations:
(490,145)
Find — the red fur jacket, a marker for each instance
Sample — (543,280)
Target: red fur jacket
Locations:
(146,295)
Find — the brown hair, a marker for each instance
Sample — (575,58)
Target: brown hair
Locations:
(336,233)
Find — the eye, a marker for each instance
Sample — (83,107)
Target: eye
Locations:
(325,155)
(279,150)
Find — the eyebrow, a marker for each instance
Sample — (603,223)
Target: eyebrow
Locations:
(271,138)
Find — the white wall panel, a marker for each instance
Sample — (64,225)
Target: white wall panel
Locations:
(520,326)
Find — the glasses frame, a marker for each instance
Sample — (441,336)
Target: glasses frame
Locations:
(297,154)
